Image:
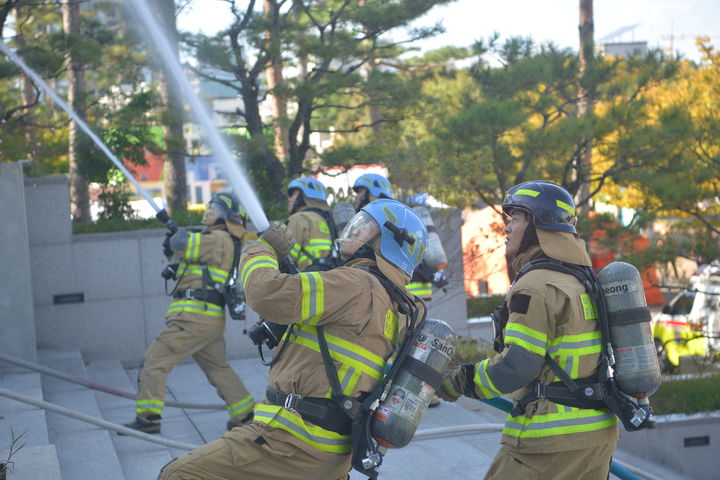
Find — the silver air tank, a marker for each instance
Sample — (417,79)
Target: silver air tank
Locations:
(636,364)
(398,415)
(342,213)
(435,256)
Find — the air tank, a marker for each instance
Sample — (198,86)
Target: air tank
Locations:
(397,417)
(636,364)
(435,256)
(342,213)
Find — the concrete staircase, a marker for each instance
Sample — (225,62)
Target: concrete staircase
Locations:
(61,448)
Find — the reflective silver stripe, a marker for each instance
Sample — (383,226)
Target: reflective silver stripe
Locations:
(569,422)
(525,337)
(303,432)
(346,379)
(574,345)
(342,351)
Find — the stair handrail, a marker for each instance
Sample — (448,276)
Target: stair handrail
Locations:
(102,388)
(96,421)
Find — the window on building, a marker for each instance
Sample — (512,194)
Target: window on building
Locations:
(199,195)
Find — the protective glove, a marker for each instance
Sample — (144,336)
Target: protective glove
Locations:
(280,238)
(457,383)
(439,279)
(167,251)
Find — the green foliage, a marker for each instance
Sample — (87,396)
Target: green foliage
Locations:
(114,198)
(484,305)
(187,218)
(687,396)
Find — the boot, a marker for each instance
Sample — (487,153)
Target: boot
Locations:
(235,422)
(151,424)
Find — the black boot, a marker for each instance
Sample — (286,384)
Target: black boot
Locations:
(151,424)
(233,422)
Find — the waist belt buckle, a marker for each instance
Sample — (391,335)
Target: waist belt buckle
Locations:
(540,389)
(190,295)
(291,402)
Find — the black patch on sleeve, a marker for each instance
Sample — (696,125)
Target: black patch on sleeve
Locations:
(520,303)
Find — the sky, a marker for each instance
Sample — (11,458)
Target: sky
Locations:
(661,23)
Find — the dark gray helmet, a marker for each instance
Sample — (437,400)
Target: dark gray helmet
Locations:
(230,207)
(550,205)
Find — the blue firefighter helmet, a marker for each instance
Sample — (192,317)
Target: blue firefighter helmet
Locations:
(377,185)
(309,187)
(403,235)
(550,205)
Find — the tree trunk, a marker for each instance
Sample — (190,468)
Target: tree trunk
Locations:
(79,195)
(278,100)
(585,104)
(174,165)
(28,89)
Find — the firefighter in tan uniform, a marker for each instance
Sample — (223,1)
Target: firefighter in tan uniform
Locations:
(546,313)
(298,432)
(311,224)
(195,320)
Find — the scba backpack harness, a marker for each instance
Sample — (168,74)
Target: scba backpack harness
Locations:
(599,391)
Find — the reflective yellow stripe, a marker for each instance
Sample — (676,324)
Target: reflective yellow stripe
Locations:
(483,381)
(149,405)
(525,337)
(317,437)
(241,407)
(196,306)
(528,192)
(261,261)
(218,274)
(341,350)
(192,249)
(565,206)
(420,289)
(313,297)
(562,423)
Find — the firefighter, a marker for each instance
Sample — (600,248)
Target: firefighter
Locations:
(548,313)
(299,432)
(371,186)
(195,320)
(311,224)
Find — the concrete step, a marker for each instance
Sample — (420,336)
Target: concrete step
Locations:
(36,459)
(20,418)
(85,452)
(139,460)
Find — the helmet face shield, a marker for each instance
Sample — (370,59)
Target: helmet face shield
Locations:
(358,232)
(213,213)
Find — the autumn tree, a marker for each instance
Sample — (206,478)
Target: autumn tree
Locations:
(327,43)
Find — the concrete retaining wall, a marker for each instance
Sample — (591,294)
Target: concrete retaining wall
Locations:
(17,325)
(687,444)
(103,294)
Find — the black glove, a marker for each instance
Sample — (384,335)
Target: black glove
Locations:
(458,382)
(167,251)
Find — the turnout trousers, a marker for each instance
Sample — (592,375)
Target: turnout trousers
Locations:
(247,453)
(586,463)
(206,344)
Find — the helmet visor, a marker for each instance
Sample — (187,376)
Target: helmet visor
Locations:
(359,231)
(213,212)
